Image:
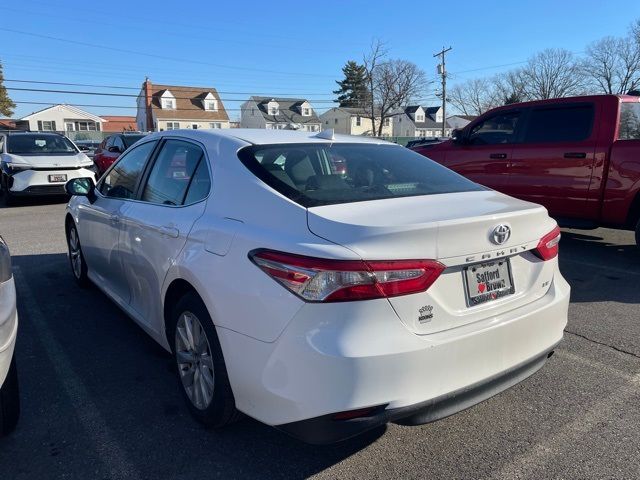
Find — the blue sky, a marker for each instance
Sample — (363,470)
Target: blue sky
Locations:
(279,48)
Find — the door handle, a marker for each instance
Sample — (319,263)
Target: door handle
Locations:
(169,231)
(498,156)
(575,155)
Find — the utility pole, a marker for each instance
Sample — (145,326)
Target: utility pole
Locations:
(443,73)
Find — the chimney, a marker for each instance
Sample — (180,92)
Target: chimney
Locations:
(147,102)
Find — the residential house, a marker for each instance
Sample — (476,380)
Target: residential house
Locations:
(279,114)
(170,107)
(418,121)
(460,121)
(119,123)
(61,118)
(354,121)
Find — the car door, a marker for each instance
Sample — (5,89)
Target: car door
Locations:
(553,163)
(99,221)
(484,154)
(156,227)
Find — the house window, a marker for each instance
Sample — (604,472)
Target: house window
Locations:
(358,121)
(168,103)
(46,126)
(273,111)
(335,121)
(69,127)
(173,125)
(253,112)
(215,125)
(419,118)
(386,122)
(210,105)
(313,128)
(306,112)
(194,126)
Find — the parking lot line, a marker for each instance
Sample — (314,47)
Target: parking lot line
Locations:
(112,455)
(526,465)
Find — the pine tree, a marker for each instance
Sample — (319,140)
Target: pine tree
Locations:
(353,91)
(6,105)
(512,98)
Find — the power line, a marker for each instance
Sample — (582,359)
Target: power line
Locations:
(176,88)
(160,57)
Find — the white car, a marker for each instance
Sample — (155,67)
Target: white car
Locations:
(9,398)
(34,163)
(321,284)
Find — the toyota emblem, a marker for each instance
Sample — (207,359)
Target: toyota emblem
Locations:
(500,234)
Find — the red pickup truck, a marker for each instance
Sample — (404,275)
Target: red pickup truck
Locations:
(578,156)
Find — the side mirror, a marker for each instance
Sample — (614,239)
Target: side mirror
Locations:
(83,148)
(458,136)
(82,187)
(115,150)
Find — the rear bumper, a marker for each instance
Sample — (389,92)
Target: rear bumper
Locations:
(340,357)
(326,429)
(8,326)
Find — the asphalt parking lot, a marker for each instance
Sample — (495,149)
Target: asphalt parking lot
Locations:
(99,397)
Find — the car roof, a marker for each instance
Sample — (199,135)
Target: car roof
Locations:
(256,136)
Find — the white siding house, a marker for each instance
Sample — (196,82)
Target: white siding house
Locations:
(63,118)
(353,121)
(418,121)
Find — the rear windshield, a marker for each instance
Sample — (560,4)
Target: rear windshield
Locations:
(25,144)
(131,139)
(318,174)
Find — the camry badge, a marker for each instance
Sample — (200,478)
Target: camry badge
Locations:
(500,234)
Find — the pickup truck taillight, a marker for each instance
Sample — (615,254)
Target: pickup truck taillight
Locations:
(548,245)
(323,280)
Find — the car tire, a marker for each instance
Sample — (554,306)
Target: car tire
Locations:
(76,258)
(9,401)
(200,366)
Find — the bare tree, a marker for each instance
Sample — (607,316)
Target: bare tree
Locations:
(552,73)
(508,87)
(612,65)
(473,97)
(392,83)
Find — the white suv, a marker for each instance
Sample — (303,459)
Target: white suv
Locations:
(321,284)
(9,400)
(33,163)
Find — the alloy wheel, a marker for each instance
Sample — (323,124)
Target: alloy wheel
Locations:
(195,364)
(74,252)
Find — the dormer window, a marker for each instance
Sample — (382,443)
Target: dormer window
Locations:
(306,112)
(305,109)
(210,103)
(273,108)
(168,101)
(419,118)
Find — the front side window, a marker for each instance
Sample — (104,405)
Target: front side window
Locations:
(629,128)
(498,129)
(307,174)
(34,144)
(172,173)
(571,123)
(122,179)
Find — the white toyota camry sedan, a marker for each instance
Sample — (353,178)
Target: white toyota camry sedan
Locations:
(321,284)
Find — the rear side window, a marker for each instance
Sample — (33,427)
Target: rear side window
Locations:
(559,124)
(322,174)
(629,128)
(172,173)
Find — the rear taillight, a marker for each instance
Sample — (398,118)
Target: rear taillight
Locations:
(323,280)
(548,245)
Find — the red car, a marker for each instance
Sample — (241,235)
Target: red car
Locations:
(111,148)
(578,156)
